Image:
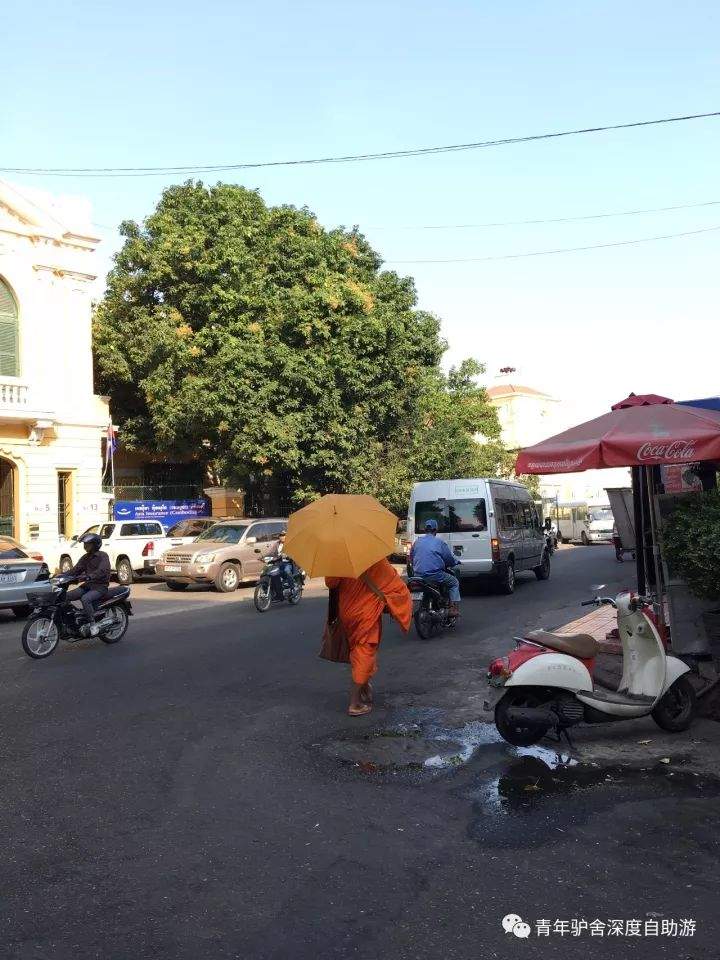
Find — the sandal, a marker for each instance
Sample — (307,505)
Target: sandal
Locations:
(360,711)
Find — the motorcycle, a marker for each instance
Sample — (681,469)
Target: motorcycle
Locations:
(551,540)
(548,679)
(272,588)
(56,618)
(431,607)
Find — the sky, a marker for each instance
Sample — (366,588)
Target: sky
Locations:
(94,84)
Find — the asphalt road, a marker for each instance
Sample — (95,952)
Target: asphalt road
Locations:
(197,791)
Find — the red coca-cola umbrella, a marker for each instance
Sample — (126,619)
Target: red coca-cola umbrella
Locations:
(639,431)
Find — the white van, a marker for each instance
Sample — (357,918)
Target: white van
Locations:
(492,526)
(582,522)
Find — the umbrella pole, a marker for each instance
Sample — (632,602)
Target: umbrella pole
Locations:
(639,531)
(659,590)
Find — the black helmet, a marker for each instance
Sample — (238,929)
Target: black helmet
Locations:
(92,542)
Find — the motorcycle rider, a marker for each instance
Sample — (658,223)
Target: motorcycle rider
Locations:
(431,559)
(93,569)
(286,565)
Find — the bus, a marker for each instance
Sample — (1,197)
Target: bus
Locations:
(579,521)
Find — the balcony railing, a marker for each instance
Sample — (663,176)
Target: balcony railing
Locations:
(13,395)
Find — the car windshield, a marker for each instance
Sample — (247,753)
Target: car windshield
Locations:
(602,513)
(223,533)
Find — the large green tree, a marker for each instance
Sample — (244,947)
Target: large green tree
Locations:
(252,339)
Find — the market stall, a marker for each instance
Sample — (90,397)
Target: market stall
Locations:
(672,449)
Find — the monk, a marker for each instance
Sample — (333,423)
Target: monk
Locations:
(360,610)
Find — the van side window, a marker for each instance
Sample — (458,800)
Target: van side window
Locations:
(531,521)
(508,518)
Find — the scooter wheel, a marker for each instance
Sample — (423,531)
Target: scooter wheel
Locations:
(514,733)
(677,708)
(262,597)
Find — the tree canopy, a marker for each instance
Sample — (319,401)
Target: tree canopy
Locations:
(256,341)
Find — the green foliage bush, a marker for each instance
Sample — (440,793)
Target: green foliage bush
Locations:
(691,538)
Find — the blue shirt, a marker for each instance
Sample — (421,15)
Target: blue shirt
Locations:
(430,556)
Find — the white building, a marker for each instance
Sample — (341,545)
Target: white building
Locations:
(51,422)
(528,416)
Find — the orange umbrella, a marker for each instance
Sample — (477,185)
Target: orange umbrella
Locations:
(340,535)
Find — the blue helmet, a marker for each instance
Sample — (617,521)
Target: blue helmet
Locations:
(431,525)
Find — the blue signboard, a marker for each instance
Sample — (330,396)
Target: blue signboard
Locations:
(167,512)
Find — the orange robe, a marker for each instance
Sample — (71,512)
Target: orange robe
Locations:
(360,612)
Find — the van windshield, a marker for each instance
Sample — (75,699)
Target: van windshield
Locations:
(453,516)
(600,513)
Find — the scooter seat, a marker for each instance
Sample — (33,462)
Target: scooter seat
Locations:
(575,644)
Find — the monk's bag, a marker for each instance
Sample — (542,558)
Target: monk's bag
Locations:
(335,644)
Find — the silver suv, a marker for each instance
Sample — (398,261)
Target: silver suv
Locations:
(224,555)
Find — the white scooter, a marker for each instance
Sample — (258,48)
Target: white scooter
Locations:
(548,679)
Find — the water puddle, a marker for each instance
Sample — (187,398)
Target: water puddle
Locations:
(418,743)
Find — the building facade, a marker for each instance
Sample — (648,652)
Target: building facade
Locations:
(51,422)
(528,416)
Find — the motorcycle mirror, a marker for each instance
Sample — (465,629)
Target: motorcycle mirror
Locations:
(597,587)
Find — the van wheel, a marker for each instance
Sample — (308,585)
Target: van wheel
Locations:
(228,578)
(124,571)
(507,583)
(543,571)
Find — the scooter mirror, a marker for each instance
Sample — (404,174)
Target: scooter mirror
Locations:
(597,587)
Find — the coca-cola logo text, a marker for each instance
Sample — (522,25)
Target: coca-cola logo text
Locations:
(667,450)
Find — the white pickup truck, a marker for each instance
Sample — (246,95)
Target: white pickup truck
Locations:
(134,547)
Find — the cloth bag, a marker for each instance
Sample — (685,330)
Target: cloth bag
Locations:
(335,645)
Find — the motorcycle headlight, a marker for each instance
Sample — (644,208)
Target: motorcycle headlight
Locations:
(205,558)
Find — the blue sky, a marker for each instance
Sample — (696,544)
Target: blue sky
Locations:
(141,84)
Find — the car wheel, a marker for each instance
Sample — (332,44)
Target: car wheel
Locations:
(65,564)
(124,571)
(173,585)
(22,612)
(228,578)
(507,583)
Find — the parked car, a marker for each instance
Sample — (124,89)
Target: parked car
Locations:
(491,526)
(20,570)
(403,539)
(134,547)
(224,556)
(188,530)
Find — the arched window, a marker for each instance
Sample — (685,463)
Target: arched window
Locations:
(9,361)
